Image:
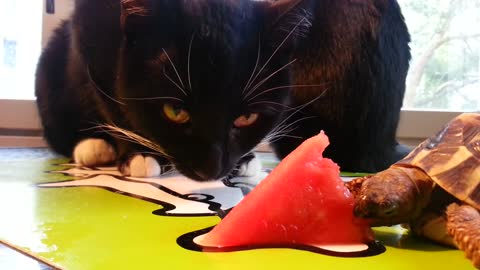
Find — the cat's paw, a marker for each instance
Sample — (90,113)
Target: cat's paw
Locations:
(141,166)
(249,172)
(93,152)
(250,168)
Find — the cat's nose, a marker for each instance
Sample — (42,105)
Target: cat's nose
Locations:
(203,175)
(212,166)
(208,173)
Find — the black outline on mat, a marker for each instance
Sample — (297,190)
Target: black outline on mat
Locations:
(186,241)
(166,207)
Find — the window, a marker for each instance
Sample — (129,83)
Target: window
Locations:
(24,28)
(445,69)
(20,36)
(444,77)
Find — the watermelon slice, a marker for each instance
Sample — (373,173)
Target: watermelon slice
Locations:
(303,201)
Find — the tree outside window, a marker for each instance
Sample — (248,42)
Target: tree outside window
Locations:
(445,69)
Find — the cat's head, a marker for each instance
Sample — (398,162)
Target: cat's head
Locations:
(207,80)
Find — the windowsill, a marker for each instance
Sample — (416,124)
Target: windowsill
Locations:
(22,142)
(20,124)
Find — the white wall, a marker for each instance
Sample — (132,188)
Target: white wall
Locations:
(63,9)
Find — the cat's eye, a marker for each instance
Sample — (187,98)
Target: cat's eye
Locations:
(176,114)
(245,120)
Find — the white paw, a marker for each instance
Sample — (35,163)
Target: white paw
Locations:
(142,166)
(251,168)
(92,152)
(250,173)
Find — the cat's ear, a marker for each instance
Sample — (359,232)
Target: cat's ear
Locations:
(143,16)
(276,10)
(288,14)
(134,13)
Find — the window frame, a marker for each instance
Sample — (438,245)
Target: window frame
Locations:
(417,125)
(414,126)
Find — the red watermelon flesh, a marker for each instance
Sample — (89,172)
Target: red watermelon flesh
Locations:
(303,201)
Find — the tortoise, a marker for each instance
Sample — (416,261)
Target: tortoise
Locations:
(435,189)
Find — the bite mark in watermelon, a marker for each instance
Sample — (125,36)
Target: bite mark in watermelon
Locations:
(303,201)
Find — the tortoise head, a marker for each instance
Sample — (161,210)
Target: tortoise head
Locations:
(396,195)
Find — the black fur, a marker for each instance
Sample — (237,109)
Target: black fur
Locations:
(111,53)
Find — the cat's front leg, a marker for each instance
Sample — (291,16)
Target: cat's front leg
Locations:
(248,173)
(250,168)
(143,165)
(94,152)
(133,162)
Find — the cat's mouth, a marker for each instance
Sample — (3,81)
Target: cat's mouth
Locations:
(195,174)
(213,165)
(204,175)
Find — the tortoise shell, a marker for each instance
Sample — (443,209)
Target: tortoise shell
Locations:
(452,158)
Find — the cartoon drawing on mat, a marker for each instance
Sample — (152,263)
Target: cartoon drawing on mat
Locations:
(181,196)
(178,195)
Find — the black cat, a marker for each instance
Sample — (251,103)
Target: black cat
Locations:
(199,83)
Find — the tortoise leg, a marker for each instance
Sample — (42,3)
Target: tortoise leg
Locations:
(433,226)
(463,223)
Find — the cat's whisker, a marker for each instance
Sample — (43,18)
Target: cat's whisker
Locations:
(283,127)
(120,137)
(287,108)
(137,138)
(174,68)
(174,83)
(285,133)
(164,170)
(282,132)
(152,153)
(263,143)
(99,89)
(249,92)
(280,135)
(278,48)
(276,130)
(272,140)
(246,154)
(286,136)
(188,61)
(170,172)
(254,68)
(155,98)
(272,103)
(92,128)
(283,87)
(299,33)
(123,138)
(169,167)
(301,107)
(102,129)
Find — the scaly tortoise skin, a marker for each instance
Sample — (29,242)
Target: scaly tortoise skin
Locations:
(435,189)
